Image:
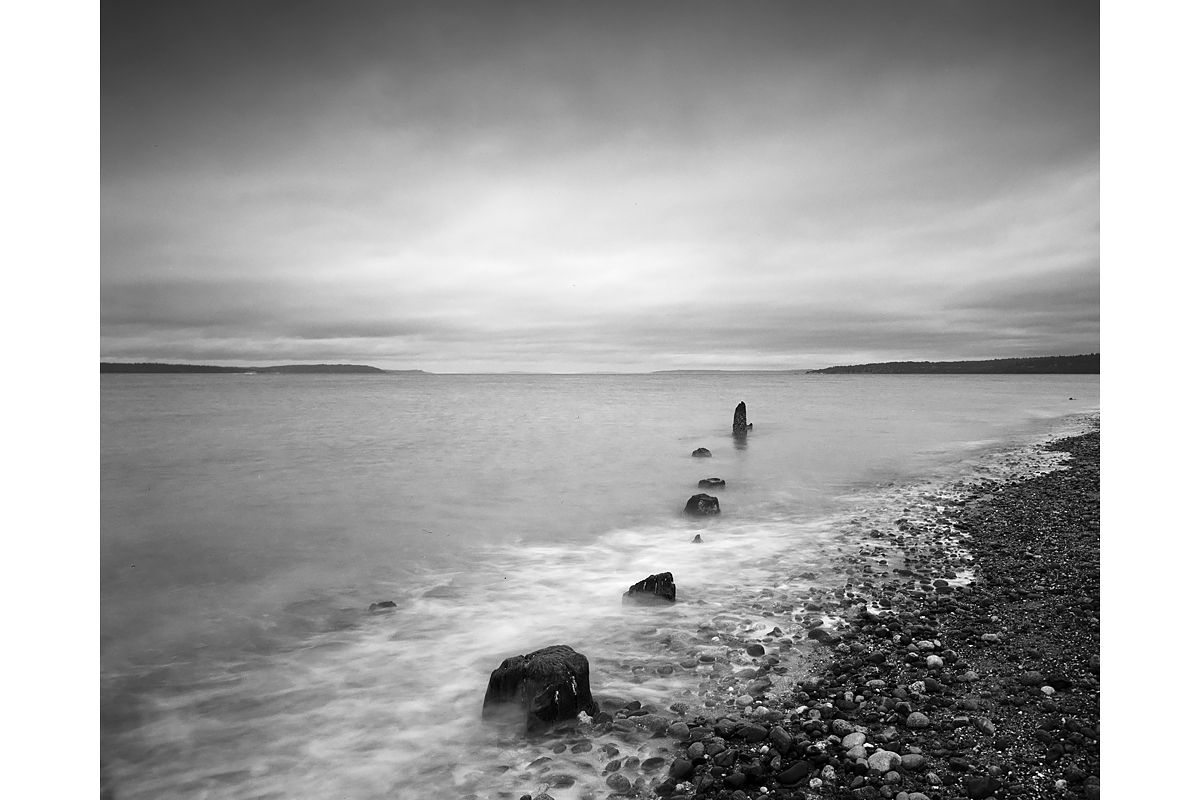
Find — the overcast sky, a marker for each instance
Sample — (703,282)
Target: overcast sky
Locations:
(598,186)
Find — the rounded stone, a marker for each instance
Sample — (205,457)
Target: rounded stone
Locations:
(883,760)
(681,768)
(917,720)
(912,761)
(853,740)
(754,733)
(841,727)
(618,783)
(679,731)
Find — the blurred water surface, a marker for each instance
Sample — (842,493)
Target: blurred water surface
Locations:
(248,521)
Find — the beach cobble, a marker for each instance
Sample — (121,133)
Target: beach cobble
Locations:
(942,690)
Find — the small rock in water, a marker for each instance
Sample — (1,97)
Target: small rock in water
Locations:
(756,650)
(710,483)
(702,504)
(619,783)
(658,588)
(382,605)
(544,687)
(740,426)
(701,452)
(697,540)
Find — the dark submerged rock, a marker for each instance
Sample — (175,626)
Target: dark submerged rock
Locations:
(546,686)
(739,420)
(701,452)
(702,504)
(710,483)
(381,606)
(658,588)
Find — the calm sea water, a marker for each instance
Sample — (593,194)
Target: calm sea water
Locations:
(248,521)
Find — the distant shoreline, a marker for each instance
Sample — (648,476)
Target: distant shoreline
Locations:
(283,369)
(1048,365)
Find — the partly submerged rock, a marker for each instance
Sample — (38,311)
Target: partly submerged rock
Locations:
(697,540)
(658,588)
(701,452)
(541,688)
(381,606)
(711,483)
(702,504)
(739,420)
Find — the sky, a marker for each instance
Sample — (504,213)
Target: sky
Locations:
(618,186)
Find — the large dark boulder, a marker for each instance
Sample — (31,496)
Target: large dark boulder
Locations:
(711,483)
(658,588)
(701,452)
(739,420)
(702,504)
(544,687)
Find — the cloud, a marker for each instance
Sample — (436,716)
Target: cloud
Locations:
(598,186)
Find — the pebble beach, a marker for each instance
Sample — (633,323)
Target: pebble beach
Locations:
(968,667)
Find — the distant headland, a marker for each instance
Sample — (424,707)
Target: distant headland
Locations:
(1047,365)
(285,369)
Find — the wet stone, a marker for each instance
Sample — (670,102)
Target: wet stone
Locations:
(619,783)
(754,733)
(679,731)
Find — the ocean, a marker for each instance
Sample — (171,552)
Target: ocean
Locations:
(248,522)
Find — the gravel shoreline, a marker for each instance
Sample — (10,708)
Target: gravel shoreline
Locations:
(942,690)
